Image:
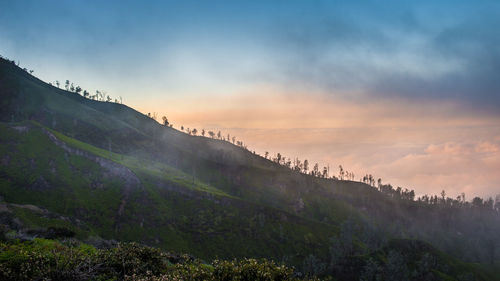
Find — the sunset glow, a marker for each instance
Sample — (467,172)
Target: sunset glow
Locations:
(409,93)
(427,146)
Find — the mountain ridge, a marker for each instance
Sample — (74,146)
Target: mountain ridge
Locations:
(132,179)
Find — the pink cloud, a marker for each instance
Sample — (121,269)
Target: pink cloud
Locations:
(426,146)
(487,147)
(449,148)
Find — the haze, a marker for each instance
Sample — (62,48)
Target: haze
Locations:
(406,91)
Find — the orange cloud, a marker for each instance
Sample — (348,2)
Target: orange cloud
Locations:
(266,107)
(449,148)
(425,145)
(487,147)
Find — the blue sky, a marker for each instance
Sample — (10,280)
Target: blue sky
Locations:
(424,49)
(415,85)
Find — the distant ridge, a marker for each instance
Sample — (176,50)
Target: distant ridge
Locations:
(117,174)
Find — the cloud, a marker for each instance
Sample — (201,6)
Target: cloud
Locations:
(407,90)
(406,53)
(487,147)
(453,166)
(426,146)
(472,46)
(449,149)
(359,51)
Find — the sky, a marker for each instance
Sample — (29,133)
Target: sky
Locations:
(408,91)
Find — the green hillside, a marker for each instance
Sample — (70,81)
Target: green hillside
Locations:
(105,172)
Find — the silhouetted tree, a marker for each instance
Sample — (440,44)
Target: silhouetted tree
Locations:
(316,170)
(296,165)
(278,158)
(165,120)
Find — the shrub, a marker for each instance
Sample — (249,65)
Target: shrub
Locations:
(132,259)
(250,269)
(43,259)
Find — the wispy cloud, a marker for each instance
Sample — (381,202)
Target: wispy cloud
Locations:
(428,146)
(407,90)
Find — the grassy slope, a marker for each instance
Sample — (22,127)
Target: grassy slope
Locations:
(118,128)
(170,209)
(199,195)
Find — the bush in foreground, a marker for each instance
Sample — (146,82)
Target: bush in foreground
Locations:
(43,259)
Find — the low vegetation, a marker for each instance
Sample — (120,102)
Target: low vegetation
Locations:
(43,259)
(72,167)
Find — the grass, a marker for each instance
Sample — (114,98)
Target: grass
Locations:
(140,166)
(199,195)
(37,221)
(201,219)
